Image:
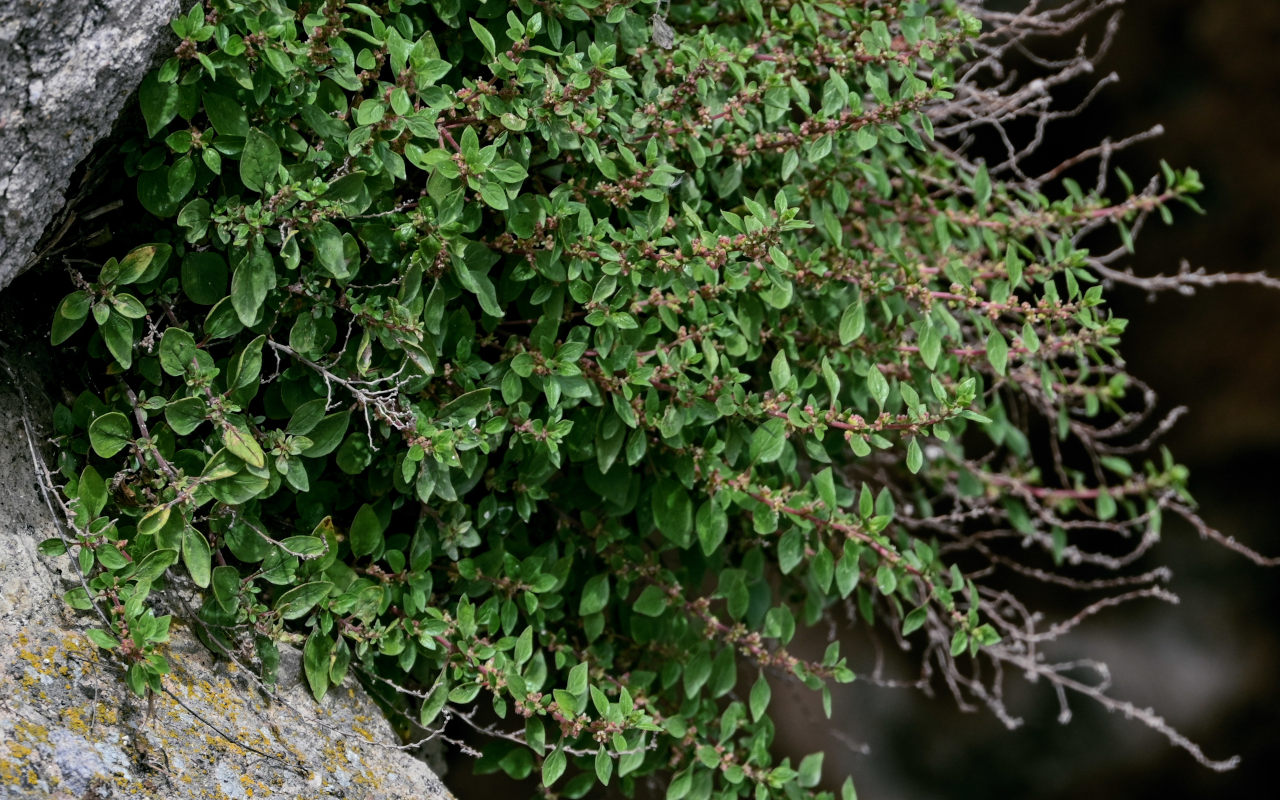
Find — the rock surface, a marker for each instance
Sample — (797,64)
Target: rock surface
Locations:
(70,729)
(67,67)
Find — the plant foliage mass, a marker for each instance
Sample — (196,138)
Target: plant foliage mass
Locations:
(567,358)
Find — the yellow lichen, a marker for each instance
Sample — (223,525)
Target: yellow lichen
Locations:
(363,731)
(108,714)
(73,718)
(19,751)
(30,732)
(170,727)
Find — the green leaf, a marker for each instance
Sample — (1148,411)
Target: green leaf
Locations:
(768,441)
(204,277)
(330,249)
(780,372)
(434,703)
(553,767)
(578,676)
(117,334)
(370,112)
(915,458)
(847,791)
(155,564)
(680,785)
(179,179)
(195,215)
(248,364)
(78,599)
(877,385)
(790,551)
(826,486)
(177,351)
(315,662)
(431,70)
(724,673)
(306,417)
(847,573)
(51,547)
(914,620)
(102,639)
(604,766)
(595,595)
(852,322)
(484,36)
(110,433)
(242,445)
(339,662)
(231,482)
(822,567)
(997,351)
(478,283)
(651,602)
(109,557)
(254,278)
(159,103)
(1106,505)
(494,195)
(1013,264)
(226,115)
(810,772)
(154,521)
(886,579)
(259,160)
(327,434)
(196,556)
(835,94)
(226,587)
(524,646)
(930,346)
(566,700)
(157,193)
(323,124)
(128,306)
(507,171)
(982,188)
(70,316)
(92,492)
(135,264)
(986,635)
(465,406)
(366,531)
(298,601)
(759,698)
(712,524)
(221,321)
(672,511)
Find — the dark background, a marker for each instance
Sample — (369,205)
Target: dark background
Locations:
(1209,71)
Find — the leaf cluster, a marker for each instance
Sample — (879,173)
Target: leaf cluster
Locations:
(497,353)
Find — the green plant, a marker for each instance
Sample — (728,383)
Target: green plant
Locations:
(567,356)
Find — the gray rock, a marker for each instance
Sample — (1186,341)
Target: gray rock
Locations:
(67,67)
(69,728)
